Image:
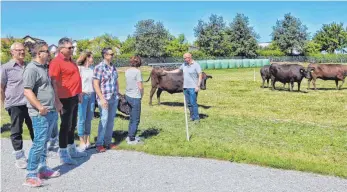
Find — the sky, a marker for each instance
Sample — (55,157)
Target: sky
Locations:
(80,20)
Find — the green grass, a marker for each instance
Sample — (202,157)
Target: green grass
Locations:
(248,124)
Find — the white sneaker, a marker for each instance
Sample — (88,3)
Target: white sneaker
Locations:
(21,160)
(74,153)
(135,142)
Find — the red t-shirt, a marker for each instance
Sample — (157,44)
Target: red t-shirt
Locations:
(68,78)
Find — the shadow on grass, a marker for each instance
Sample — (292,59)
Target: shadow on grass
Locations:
(123,117)
(180,104)
(327,89)
(5,127)
(120,136)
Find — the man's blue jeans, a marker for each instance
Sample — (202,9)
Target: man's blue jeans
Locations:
(85,114)
(106,123)
(191,100)
(43,126)
(135,113)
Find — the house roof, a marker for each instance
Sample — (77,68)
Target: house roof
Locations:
(52,46)
(6,40)
(35,39)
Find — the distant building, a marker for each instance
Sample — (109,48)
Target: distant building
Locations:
(32,40)
(192,48)
(53,49)
(264,44)
(74,43)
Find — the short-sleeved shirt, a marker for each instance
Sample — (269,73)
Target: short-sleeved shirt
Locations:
(107,75)
(36,78)
(12,79)
(132,77)
(87,79)
(190,74)
(66,73)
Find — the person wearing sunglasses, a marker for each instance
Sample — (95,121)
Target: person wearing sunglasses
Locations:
(43,107)
(107,88)
(66,78)
(14,101)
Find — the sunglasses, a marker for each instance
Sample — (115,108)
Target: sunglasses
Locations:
(72,47)
(44,51)
(110,54)
(19,50)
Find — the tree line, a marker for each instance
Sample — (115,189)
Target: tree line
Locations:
(216,38)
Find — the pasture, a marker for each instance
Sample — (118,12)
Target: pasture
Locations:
(242,122)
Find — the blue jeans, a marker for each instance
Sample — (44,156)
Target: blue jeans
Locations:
(191,100)
(106,123)
(55,131)
(85,114)
(135,113)
(43,126)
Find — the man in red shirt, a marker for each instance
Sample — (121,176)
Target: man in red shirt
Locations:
(67,83)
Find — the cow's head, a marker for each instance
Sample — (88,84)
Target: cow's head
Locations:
(204,79)
(309,70)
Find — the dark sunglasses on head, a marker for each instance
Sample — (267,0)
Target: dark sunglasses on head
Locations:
(111,54)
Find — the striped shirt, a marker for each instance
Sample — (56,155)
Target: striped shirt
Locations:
(107,75)
(12,79)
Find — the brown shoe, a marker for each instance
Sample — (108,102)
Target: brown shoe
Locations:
(112,146)
(100,149)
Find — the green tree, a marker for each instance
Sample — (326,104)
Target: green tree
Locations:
(212,37)
(243,37)
(290,34)
(103,41)
(128,46)
(311,47)
(150,38)
(83,45)
(176,47)
(331,37)
(6,49)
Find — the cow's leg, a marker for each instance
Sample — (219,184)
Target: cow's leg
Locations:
(299,82)
(343,81)
(273,81)
(263,82)
(158,95)
(291,86)
(267,80)
(151,95)
(308,84)
(337,84)
(314,83)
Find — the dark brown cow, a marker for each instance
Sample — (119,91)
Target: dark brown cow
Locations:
(325,72)
(170,82)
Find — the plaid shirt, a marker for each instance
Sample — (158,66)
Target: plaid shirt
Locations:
(107,75)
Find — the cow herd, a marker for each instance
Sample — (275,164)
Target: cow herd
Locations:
(291,73)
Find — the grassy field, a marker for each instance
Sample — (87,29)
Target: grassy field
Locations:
(242,122)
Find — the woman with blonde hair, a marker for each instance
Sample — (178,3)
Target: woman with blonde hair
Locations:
(86,107)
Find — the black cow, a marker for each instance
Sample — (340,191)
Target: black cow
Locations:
(287,73)
(170,82)
(265,74)
(123,105)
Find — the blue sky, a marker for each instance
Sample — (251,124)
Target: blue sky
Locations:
(52,20)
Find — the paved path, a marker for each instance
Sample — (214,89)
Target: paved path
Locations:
(133,171)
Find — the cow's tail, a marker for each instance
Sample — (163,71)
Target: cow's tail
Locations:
(148,78)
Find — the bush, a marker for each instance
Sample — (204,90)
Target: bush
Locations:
(268,52)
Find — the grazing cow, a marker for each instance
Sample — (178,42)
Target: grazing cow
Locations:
(335,72)
(265,74)
(170,82)
(287,73)
(123,105)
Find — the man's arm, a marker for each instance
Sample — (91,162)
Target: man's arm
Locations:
(173,71)
(2,94)
(31,97)
(58,104)
(96,83)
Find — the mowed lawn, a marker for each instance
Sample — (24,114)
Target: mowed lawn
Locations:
(242,122)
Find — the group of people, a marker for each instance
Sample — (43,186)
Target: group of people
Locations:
(41,90)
